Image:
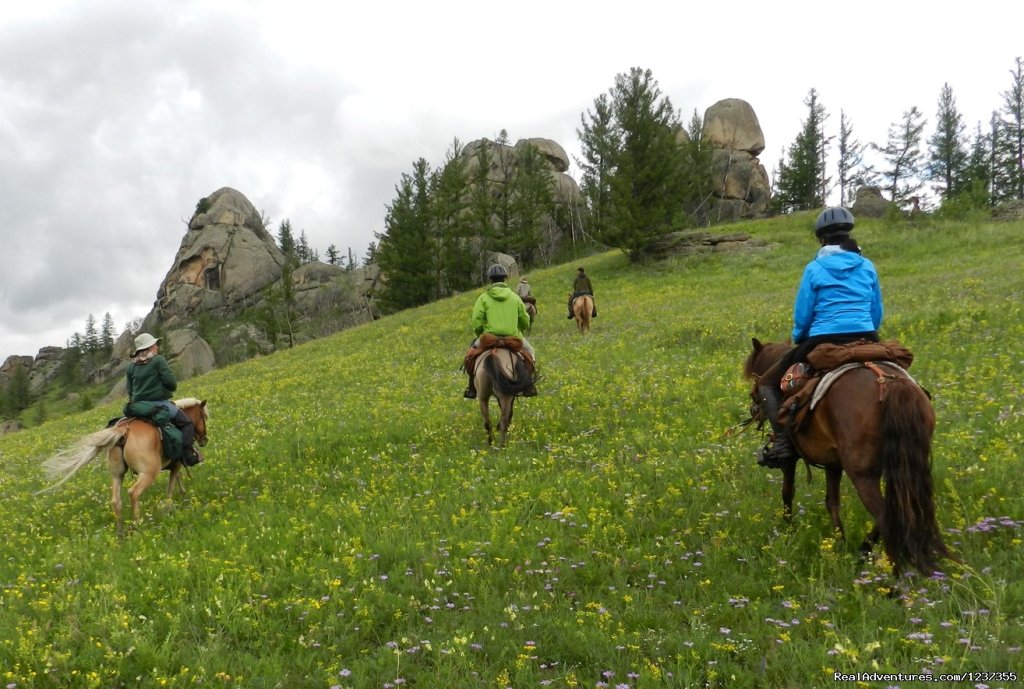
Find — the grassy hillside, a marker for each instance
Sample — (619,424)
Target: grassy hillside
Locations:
(350,528)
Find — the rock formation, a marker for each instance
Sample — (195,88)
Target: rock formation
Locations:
(869,203)
(742,189)
(226,257)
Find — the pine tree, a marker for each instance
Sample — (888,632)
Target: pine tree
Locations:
(947,160)
(642,166)
(902,153)
(699,184)
(599,141)
(851,169)
(286,240)
(453,225)
(1008,141)
(802,184)
(107,334)
(405,250)
(91,340)
(531,205)
(333,257)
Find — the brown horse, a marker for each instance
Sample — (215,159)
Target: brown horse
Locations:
(871,427)
(130,444)
(582,307)
(531,311)
(501,373)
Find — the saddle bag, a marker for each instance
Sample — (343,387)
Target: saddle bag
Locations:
(161,417)
(827,356)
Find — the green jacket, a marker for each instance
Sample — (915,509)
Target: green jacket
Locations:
(499,311)
(151,381)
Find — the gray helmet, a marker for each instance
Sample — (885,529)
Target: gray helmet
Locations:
(833,221)
(497,273)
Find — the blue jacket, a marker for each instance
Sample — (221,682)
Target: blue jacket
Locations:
(839,293)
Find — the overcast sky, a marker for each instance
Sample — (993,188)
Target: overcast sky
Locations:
(116,117)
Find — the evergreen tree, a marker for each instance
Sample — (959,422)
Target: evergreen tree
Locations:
(851,170)
(531,206)
(405,252)
(453,224)
(17,392)
(600,140)
(107,334)
(350,264)
(802,184)
(947,160)
(91,339)
(645,178)
(1009,140)
(697,171)
(902,153)
(370,257)
(333,257)
(286,240)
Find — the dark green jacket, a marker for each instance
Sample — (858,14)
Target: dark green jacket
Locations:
(151,381)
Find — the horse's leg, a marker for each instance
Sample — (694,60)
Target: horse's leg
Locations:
(144,481)
(485,411)
(788,490)
(833,479)
(175,480)
(870,491)
(506,403)
(115,460)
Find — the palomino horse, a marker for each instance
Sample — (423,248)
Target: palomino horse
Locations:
(130,444)
(871,427)
(582,307)
(501,373)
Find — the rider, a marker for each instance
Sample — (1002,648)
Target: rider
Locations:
(499,311)
(839,301)
(150,380)
(523,289)
(582,286)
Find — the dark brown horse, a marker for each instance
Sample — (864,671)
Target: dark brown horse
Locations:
(872,428)
(531,310)
(503,374)
(130,444)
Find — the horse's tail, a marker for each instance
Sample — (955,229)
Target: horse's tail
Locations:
(504,384)
(63,465)
(909,528)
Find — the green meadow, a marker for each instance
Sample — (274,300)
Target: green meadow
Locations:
(351,529)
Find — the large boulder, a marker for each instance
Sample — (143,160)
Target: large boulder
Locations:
(732,124)
(869,203)
(225,259)
(742,189)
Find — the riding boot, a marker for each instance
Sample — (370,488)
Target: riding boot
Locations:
(593,313)
(570,316)
(470,393)
(189,455)
(781,449)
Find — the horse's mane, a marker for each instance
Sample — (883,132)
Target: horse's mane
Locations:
(188,402)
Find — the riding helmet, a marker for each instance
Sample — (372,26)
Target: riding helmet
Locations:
(833,221)
(497,273)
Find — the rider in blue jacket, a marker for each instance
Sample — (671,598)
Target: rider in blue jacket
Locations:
(839,301)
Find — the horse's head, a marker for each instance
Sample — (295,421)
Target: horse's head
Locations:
(198,412)
(762,357)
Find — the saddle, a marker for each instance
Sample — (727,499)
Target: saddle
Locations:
(803,385)
(491,341)
(160,417)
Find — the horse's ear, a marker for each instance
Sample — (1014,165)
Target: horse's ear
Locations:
(757,344)
(202,403)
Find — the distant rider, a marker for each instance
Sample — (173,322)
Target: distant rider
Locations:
(580,286)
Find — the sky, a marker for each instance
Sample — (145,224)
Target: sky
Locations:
(117,116)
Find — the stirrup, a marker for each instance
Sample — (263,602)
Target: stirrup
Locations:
(776,455)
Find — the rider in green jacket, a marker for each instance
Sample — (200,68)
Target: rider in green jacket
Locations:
(499,311)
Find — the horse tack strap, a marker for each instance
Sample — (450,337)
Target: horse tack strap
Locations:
(882,379)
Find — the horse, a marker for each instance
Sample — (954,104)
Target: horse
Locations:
(502,373)
(134,444)
(531,310)
(870,426)
(582,307)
